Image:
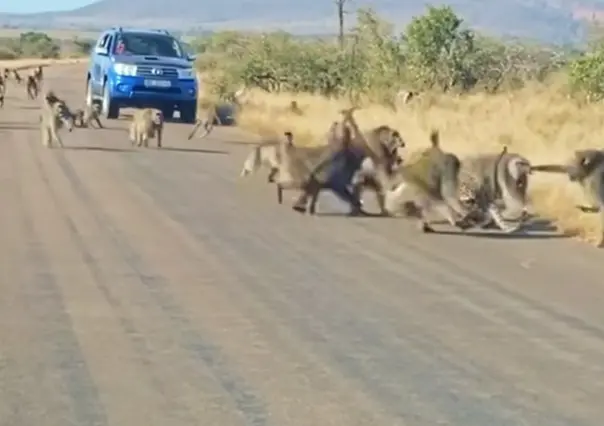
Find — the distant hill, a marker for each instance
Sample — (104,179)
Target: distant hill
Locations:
(556,21)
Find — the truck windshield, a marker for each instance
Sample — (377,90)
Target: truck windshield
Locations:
(148,45)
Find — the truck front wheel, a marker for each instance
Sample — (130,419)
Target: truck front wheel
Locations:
(188,112)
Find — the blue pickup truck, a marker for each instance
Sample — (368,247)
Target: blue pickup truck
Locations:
(134,68)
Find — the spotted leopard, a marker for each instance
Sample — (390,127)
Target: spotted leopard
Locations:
(478,197)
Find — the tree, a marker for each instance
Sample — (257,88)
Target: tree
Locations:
(438,49)
(341,12)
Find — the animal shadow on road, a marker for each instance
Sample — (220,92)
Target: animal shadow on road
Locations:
(112,129)
(194,150)
(369,215)
(18,126)
(225,114)
(99,148)
(534,229)
(242,143)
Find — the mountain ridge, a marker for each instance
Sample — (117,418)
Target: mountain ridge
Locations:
(555,21)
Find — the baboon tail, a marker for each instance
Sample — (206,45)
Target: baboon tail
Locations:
(550,168)
(195,127)
(495,186)
(435,138)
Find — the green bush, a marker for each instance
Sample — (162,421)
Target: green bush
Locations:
(83,46)
(6,53)
(40,45)
(435,52)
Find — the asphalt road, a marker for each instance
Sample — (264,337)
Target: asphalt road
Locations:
(154,287)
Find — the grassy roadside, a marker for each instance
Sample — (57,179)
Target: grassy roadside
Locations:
(539,122)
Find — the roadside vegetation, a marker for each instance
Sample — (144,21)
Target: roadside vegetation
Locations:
(33,44)
(480,92)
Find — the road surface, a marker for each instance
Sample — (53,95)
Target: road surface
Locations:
(147,287)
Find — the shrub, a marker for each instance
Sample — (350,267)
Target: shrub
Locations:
(40,45)
(436,52)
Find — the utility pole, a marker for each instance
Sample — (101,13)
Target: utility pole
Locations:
(341,12)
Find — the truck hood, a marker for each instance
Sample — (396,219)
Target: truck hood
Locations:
(152,61)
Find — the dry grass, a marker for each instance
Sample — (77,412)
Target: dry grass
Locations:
(33,62)
(55,34)
(540,122)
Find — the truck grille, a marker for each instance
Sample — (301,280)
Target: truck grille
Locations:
(152,71)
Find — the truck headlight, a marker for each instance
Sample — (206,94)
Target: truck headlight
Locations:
(186,73)
(125,69)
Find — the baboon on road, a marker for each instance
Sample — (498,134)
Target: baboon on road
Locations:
(54,116)
(380,151)
(31,87)
(17,76)
(335,171)
(287,164)
(513,171)
(265,154)
(385,154)
(38,75)
(147,124)
(294,108)
(2,91)
(84,118)
(490,183)
(586,167)
(430,180)
(285,152)
(232,99)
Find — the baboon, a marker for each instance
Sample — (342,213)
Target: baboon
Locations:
(17,76)
(6,73)
(2,91)
(146,124)
(335,171)
(513,171)
(31,87)
(232,98)
(289,166)
(430,178)
(38,74)
(586,167)
(381,149)
(263,154)
(506,178)
(84,118)
(285,154)
(55,115)
(407,96)
(378,164)
(295,109)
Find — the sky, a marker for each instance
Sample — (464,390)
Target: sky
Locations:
(30,6)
